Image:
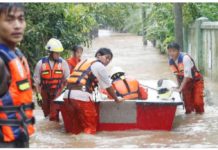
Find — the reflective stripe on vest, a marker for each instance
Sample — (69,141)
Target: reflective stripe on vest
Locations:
(19,94)
(51,78)
(178,70)
(127,88)
(82,75)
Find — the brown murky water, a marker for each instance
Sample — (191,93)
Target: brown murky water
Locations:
(143,63)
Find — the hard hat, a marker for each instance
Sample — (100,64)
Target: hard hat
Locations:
(164,83)
(164,93)
(163,87)
(116,72)
(54,45)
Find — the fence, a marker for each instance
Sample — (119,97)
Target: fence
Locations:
(201,42)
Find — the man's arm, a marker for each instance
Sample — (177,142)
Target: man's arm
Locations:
(184,81)
(110,90)
(37,77)
(101,74)
(188,64)
(66,71)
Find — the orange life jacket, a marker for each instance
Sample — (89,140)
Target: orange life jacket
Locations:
(24,62)
(178,70)
(51,78)
(72,62)
(83,76)
(127,88)
(16,107)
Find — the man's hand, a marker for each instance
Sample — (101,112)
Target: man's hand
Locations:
(39,99)
(119,100)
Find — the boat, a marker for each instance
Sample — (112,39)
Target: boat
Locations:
(154,113)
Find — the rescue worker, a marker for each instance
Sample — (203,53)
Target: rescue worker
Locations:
(126,87)
(16,106)
(50,77)
(78,102)
(190,81)
(77,51)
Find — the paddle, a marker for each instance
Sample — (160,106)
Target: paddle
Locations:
(149,87)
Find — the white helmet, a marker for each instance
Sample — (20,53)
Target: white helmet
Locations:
(54,45)
(116,70)
(165,83)
(163,87)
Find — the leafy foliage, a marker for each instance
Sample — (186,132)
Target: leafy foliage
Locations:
(114,15)
(74,23)
(193,11)
(159,22)
(70,23)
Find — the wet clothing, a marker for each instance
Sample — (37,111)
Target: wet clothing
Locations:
(72,62)
(82,115)
(49,107)
(16,107)
(193,96)
(51,76)
(79,116)
(193,90)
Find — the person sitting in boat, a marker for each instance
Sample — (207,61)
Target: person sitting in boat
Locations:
(81,113)
(126,87)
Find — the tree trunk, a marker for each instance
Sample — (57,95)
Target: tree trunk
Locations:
(178,23)
(143,24)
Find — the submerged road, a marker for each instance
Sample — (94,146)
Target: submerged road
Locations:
(142,62)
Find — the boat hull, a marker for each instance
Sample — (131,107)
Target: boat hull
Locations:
(136,115)
(151,114)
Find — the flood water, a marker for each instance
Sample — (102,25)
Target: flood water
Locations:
(144,63)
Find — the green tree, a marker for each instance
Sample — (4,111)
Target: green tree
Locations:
(159,23)
(70,23)
(115,15)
